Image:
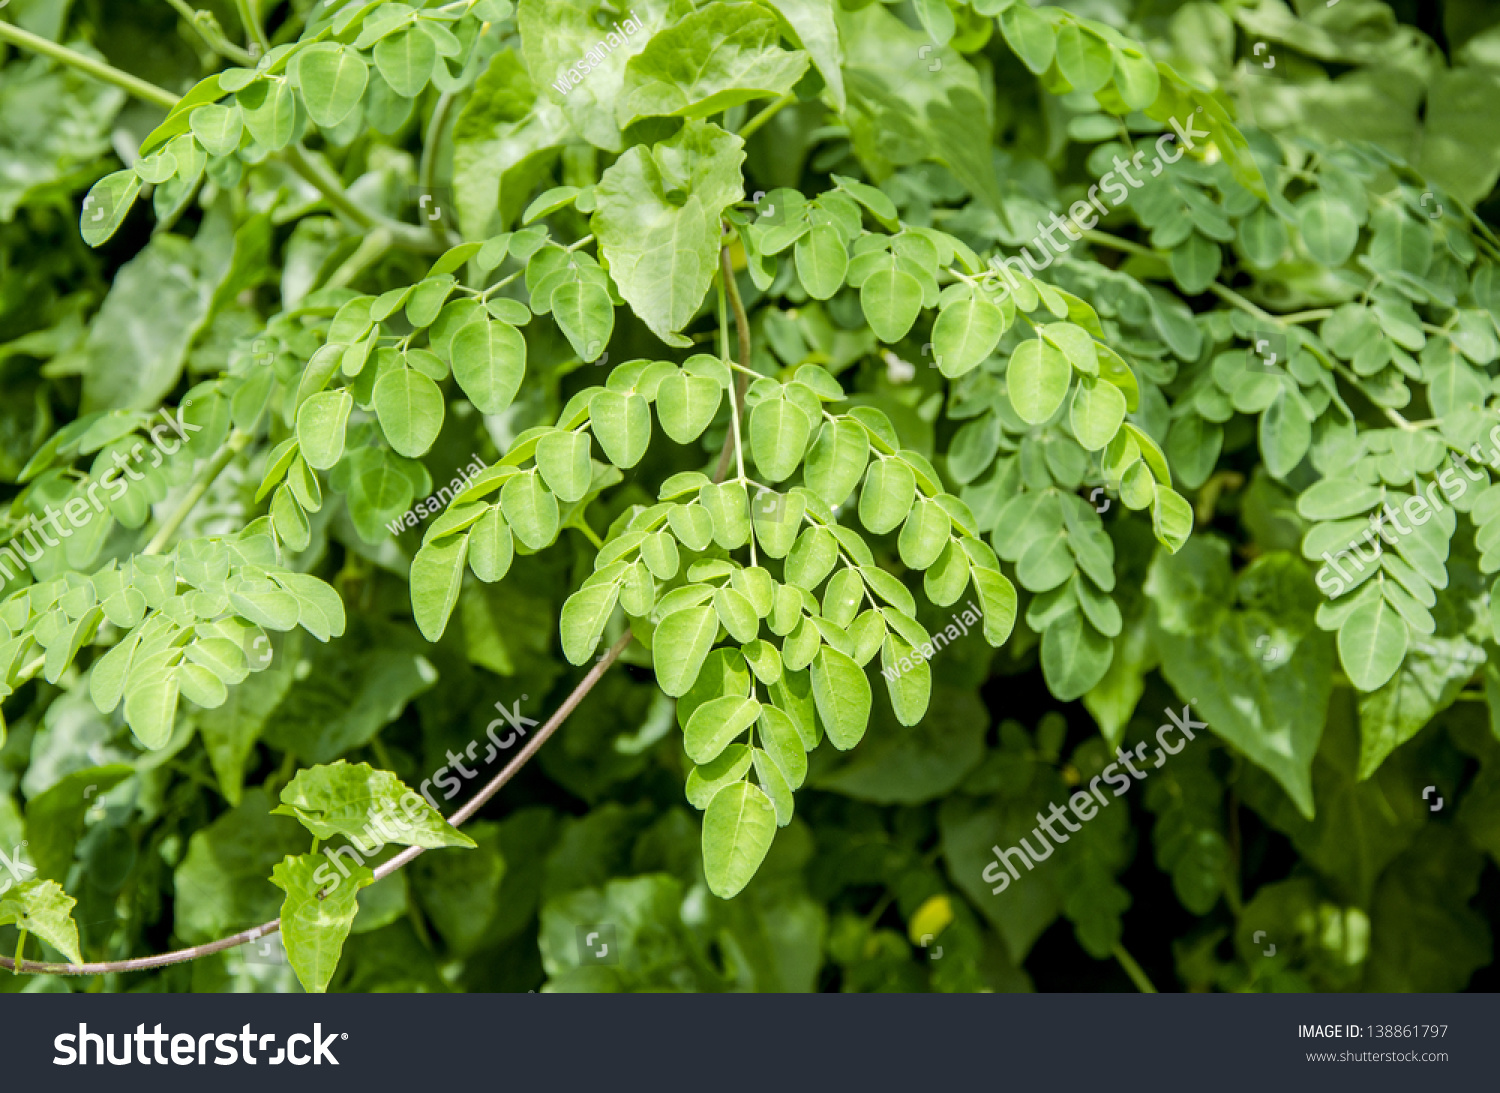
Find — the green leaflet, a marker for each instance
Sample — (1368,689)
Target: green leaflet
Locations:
(405,60)
(842,693)
(1037,378)
(686,405)
(966,333)
(679,646)
(331,79)
(737,831)
(1372,643)
(437,573)
(320,427)
(489,361)
(105,206)
(778,436)
(837,460)
(622,425)
(410,408)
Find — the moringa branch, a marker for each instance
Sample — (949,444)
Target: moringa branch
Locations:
(492,787)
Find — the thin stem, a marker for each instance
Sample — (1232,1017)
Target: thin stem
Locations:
(253,30)
(742,325)
(1233,297)
(765,115)
(370,250)
(1104,239)
(161,960)
(221,459)
(20,952)
(428,169)
(216,42)
(1137,974)
(294,156)
(321,180)
(1307,316)
(312,171)
(589,533)
(138,87)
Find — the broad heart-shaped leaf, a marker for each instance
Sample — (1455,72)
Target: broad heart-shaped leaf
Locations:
(686,405)
(584,615)
(559,37)
(437,574)
(1098,411)
(813,23)
(1213,654)
(1037,378)
(778,436)
(656,217)
(837,460)
(841,691)
(105,206)
(966,332)
(313,929)
(357,801)
(621,425)
(41,908)
(681,642)
(1428,681)
(332,79)
(1372,643)
(585,315)
(562,457)
(405,59)
(720,56)
(891,299)
(409,406)
(489,361)
(737,831)
(320,427)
